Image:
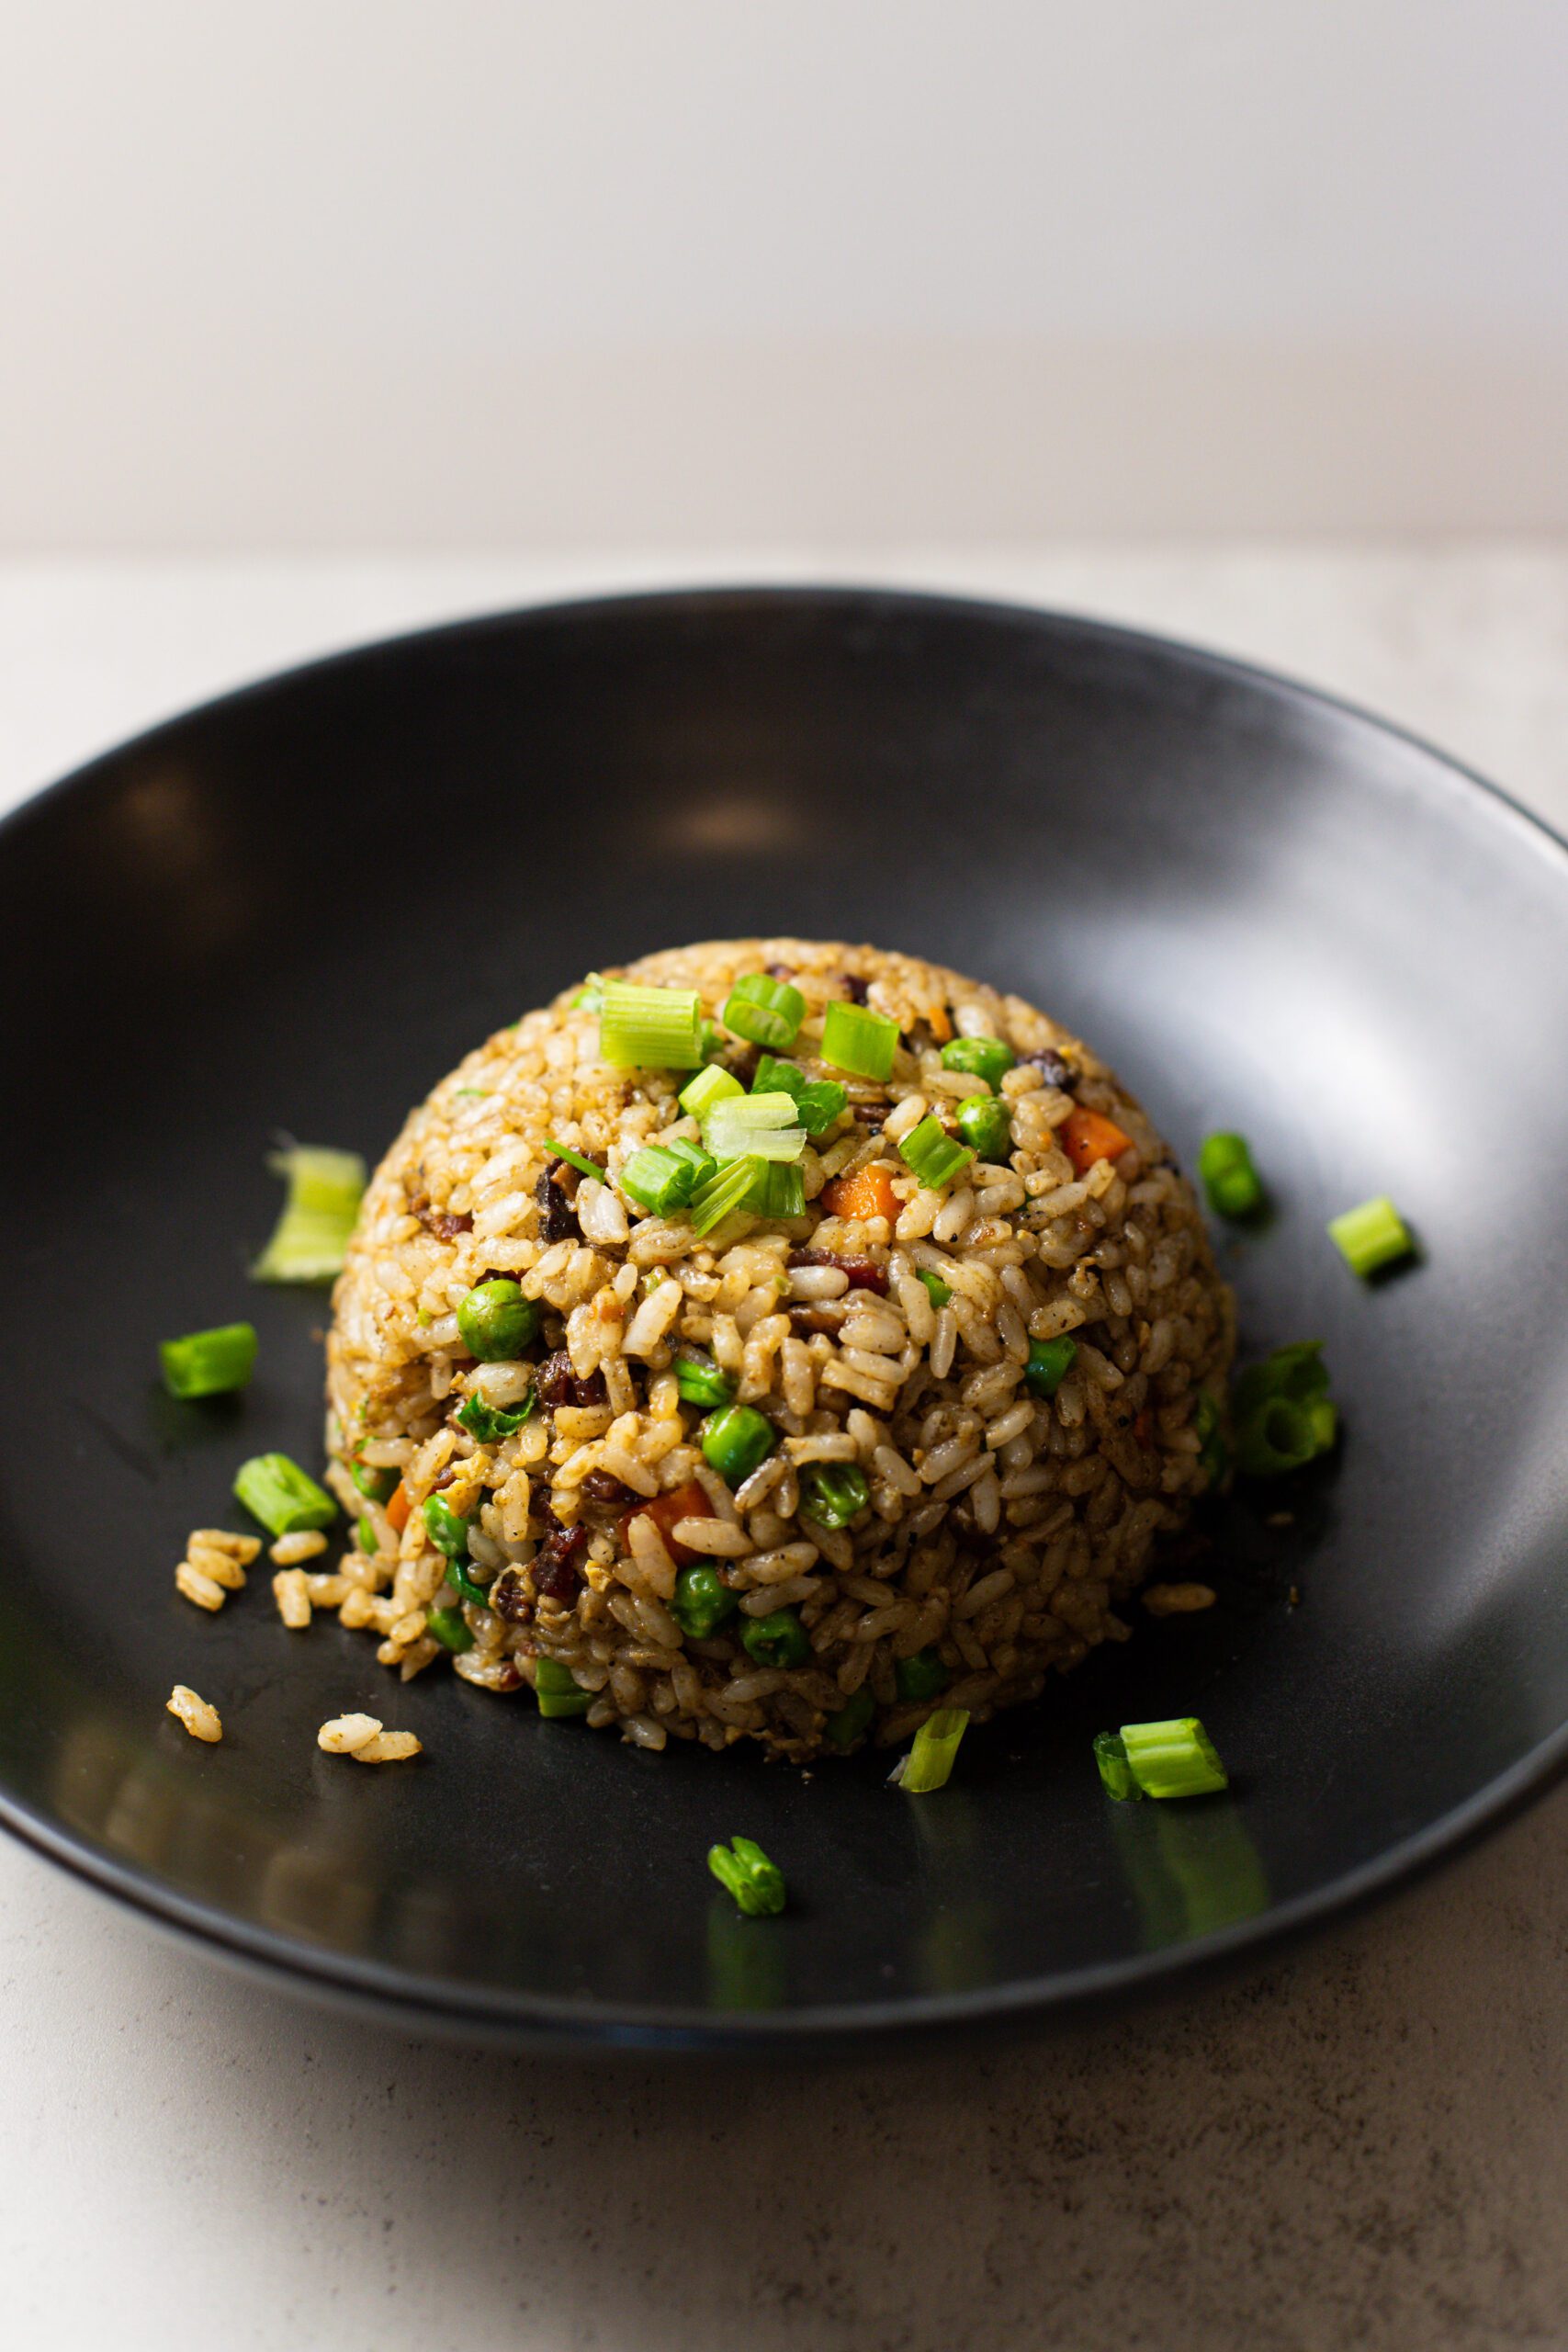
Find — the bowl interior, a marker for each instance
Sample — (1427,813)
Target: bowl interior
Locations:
(292,911)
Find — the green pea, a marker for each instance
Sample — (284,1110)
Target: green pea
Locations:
(701,1603)
(985,1057)
(496,1321)
(778,1640)
(1050,1361)
(832,1492)
(986,1126)
(736,1440)
(921,1677)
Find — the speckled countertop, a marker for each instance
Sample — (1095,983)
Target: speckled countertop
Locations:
(1366,2144)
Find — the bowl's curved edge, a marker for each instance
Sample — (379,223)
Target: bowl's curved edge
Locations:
(394,1998)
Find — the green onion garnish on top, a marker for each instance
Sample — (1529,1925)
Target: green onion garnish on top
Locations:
(724,1194)
(310,1239)
(578,1159)
(1173,1759)
(929,1764)
(661,1178)
(933,1156)
(777,1190)
(858,1040)
(1115,1772)
(985,1057)
(650,1028)
(1230,1180)
(744,1870)
(764,1125)
(818,1101)
(764,1011)
(209,1363)
(711,1085)
(1372,1235)
(281,1495)
(591,995)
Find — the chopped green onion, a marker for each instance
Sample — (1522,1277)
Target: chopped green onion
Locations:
(365,1535)
(986,1124)
(578,1159)
(1115,1772)
(1284,1415)
(558,1691)
(932,1154)
(1050,1361)
(744,1870)
(1213,1452)
(778,1639)
(450,1628)
(700,1381)
(711,1085)
(985,1057)
(853,1718)
(278,1493)
(735,1440)
(832,1492)
(858,1040)
(496,1321)
(922,1676)
(1230,1180)
(766,1124)
(777,1190)
(488,1423)
(1372,1235)
(929,1764)
(446,1530)
(1173,1759)
(936,1291)
(764,1012)
(703,1164)
(209,1363)
(701,1601)
(819,1101)
(591,993)
(310,1239)
(723,1194)
(377,1484)
(1279,1436)
(650,1028)
(659,1178)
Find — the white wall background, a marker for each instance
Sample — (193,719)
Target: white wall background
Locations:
(367,272)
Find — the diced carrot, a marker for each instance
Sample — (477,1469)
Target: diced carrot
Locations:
(1087,1135)
(867,1194)
(398,1506)
(685,1502)
(939,1024)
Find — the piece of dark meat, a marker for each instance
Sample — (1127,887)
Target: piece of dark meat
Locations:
(854,989)
(779,971)
(818,1315)
(1052,1067)
(603,1486)
(558,1218)
(861,1274)
(557,1384)
(509,1597)
(557,1576)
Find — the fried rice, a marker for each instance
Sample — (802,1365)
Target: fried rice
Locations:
(1003,1530)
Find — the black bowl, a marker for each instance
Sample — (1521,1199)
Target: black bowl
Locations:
(293,909)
